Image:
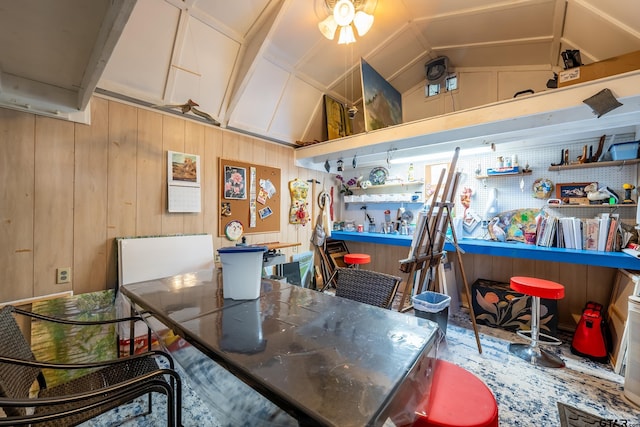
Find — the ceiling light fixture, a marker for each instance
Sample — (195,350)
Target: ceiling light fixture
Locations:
(343,13)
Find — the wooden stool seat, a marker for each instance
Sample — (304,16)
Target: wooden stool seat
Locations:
(457,398)
(357,259)
(532,353)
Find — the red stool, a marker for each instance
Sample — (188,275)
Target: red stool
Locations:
(356,260)
(353,261)
(457,399)
(537,288)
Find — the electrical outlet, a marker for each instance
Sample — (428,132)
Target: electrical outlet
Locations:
(63,275)
(216,259)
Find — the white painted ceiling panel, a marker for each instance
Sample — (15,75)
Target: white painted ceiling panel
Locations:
(206,58)
(597,35)
(24,52)
(294,21)
(297,105)
(141,60)
(236,15)
(480,26)
(494,56)
(271,53)
(257,104)
(404,47)
(623,13)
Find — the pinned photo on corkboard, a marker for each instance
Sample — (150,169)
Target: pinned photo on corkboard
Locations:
(235,183)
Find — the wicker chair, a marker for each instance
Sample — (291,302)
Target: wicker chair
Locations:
(107,385)
(366,286)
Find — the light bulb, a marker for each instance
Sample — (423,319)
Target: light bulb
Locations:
(346,35)
(328,27)
(343,12)
(363,22)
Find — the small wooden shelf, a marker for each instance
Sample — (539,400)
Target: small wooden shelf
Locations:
(603,206)
(500,175)
(595,164)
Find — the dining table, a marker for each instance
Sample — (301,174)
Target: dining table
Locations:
(323,359)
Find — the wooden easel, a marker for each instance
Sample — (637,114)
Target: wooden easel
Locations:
(425,255)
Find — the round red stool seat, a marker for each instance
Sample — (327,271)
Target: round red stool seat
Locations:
(457,399)
(532,352)
(537,287)
(357,259)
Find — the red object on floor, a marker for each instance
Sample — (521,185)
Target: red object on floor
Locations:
(457,399)
(537,287)
(589,338)
(357,259)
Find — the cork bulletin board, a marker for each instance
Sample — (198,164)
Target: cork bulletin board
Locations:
(243,185)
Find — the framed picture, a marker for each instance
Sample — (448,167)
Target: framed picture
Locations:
(235,183)
(183,169)
(337,123)
(573,193)
(382,102)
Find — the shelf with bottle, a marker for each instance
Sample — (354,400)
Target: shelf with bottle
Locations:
(597,206)
(389,192)
(386,186)
(499,175)
(384,198)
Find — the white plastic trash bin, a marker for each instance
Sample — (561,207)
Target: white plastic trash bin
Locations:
(433,306)
(241,271)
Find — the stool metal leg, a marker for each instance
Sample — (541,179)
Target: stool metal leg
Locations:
(532,352)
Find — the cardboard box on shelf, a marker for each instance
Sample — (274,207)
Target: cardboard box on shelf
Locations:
(597,70)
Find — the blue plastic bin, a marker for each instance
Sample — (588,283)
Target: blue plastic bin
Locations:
(433,306)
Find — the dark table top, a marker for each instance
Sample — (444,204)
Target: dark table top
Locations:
(326,360)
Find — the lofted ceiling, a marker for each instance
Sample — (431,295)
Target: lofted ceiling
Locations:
(262,67)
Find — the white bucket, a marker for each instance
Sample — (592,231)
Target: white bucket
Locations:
(241,271)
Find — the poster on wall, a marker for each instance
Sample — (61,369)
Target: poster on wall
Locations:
(382,102)
(183,182)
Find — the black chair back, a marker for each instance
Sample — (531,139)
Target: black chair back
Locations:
(366,286)
(15,380)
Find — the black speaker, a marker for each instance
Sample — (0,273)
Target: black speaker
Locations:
(437,69)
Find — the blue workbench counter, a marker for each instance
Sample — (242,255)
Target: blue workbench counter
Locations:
(505,249)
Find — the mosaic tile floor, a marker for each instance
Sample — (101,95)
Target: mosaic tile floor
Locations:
(526,395)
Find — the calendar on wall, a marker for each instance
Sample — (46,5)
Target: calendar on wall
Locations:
(183,182)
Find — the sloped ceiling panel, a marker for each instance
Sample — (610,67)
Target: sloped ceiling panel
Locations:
(258,102)
(206,57)
(140,62)
(291,39)
(598,36)
(479,26)
(296,106)
(525,53)
(236,18)
(405,47)
(24,50)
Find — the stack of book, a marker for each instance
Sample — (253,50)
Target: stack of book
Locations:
(602,233)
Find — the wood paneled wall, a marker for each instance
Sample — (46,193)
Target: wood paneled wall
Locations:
(582,283)
(69,189)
